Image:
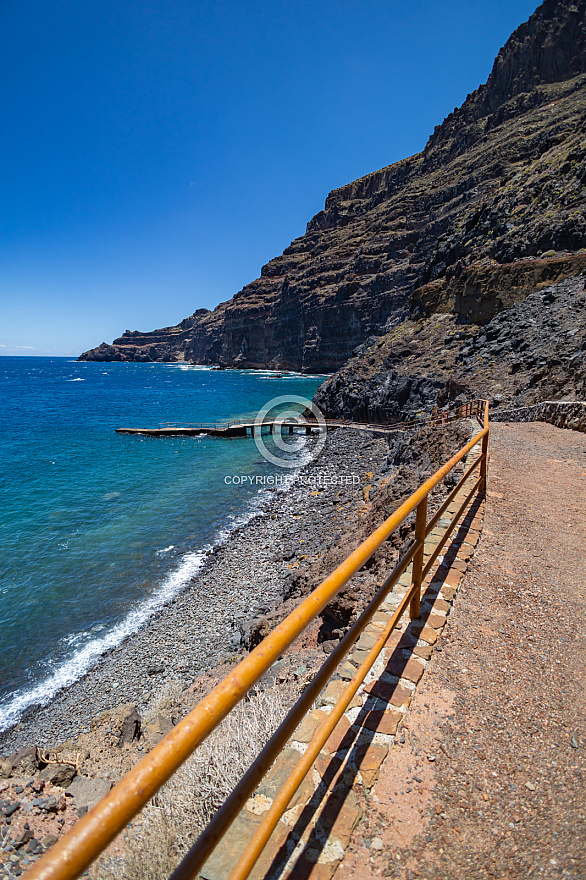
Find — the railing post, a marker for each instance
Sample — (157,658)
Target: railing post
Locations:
(420,525)
(484,464)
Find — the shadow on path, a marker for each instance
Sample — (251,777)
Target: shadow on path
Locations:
(339,777)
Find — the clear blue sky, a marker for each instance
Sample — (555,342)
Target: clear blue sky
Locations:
(155,153)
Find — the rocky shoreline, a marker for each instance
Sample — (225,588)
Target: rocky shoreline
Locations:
(239,583)
(59,760)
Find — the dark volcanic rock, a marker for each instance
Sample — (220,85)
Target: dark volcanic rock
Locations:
(160,345)
(385,397)
(59,774)
(24,762)
(131,726)
(533,351)
(501,180)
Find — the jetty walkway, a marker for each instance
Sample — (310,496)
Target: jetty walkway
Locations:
(248,427)
(243,428)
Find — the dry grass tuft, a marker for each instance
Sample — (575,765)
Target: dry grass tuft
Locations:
(174,818)
(167,698)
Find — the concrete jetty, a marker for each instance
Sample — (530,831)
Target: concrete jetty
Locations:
(243,428)
(231,429)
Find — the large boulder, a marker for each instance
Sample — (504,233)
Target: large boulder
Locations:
(87,792)
(25,762)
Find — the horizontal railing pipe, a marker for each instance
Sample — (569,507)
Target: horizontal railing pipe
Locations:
(450,528)
(281,801)
(440,512)
(203,847)
(75,851)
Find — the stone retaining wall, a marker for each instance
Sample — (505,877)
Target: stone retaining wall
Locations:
(562,414)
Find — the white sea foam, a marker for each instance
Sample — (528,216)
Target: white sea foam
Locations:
(83,659)
(87,656)
(165,549)
(75,380)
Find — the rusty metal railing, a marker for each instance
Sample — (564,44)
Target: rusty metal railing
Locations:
(76,850)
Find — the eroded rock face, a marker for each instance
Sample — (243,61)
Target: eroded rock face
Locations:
(500,181)
(533,351)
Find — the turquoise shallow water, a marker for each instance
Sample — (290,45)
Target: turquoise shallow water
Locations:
(98,530)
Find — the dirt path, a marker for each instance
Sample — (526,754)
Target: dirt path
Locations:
(489,779)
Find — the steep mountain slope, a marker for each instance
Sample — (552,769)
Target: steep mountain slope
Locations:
(532,351)
(502,179)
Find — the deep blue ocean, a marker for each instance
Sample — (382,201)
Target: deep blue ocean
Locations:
(98,530)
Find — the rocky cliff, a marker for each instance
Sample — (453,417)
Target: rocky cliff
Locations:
(534,350)
(501,181)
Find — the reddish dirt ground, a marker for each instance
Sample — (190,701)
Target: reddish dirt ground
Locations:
(489,780)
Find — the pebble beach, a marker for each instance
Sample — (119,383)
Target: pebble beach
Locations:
(240,581)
